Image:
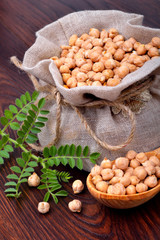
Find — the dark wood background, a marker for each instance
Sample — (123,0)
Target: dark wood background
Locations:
(19,219)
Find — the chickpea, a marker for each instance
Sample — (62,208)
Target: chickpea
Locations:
(150,170)
(138,61)
(141,157)
(156,42)
(75,71)
(64,53)
(151,181)
(94,32)
(152,52)
(118,173)
(81,84)
(148,163)
(95,56)
(86,67)
(154,160)
(157,168)
(131,67)
(89,82)
(114,167)
(71,63)
(99,77)
(122,163)
(80,62)
(72,82)
(110,189)
(43,207)
(134,180)
(70,54)
(87,44)
(81,77)
(136,45)
(123,71)
(102,186)
(84,36)
(75,49)
(108,73)
(131,154)
(64,47)
(97,42)
(118,38)
(131,189)
(129,170)
(98,67)
(146,58)
(131,57)
(107,174)
(55,57)
(104,34)
(141,187)
(110,64)
(79,55)
(125,181)
(107,55)
(97,179)
(33,180)
(110,45)
(148,46)
(65,86)
(73,39)
(113,32)
(65,77)
(132,40)
(119,54)
(77,186)
(96,170)
(140,172)
(79,42)
(58,63)
(98,49)
(134,163)
(64,69)
(127,46)
(114,180)
(141,50)
(119,189)
(75,205)
(90,74)
(106,163)
(112,82)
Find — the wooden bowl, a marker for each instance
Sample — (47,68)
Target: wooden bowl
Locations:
(124,201)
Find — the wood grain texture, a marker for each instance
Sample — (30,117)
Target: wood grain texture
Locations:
(19,219)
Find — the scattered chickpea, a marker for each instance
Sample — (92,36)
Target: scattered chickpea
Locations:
(131,189)
(77,186)
(141,187)
(140,172)
(122,163)
(34,180)
(141,157)
(75,205)
(106,163)
(134,180)
(43,207)
(97,179)
(151,181)
(102,186)
(107,174)
(156,42)
(96,170)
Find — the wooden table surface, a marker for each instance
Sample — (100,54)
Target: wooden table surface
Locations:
(19,219)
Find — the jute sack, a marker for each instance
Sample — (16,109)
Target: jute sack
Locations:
(92,115)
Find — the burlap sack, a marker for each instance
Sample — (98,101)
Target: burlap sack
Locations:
(110,127)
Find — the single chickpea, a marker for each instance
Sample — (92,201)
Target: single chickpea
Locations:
(148,46)
(97,179)
(156,42)
(98,67)
(64,53)
(118,38)
(99,77)
(125,181)
(70,62)
(119,189)
(123,71)
(112,82)
(110,189)
(141,50)
(120,44)
(136,45)
(118,173)
(95,56)
(105,40)
(108,73)
(110,45)
(75,205)
(157,168)
(154,160)
(107,55)
(146,58)
(134,180)
(138,61)
(140,172)
(141,187)
(110,64)
(58,63)
(33,180)
(80,62)
(151,181)
(77,186)
(64,47)
(148,163)
(81,84)
(122,163)
(106,163)
(131,189)
(90,74)
(86,67)
(131,67)
(131,57)
(104,34)
(129,170)
(64,69)
(127,46)
(79,42)
(132,40)
(113,32)
(84,36)
(87,44)
(98,49)
(96,170)
(152,52)
(134,163)
(94,32)
(43,207)
(150,170)
(75,71)
(119,54)
(62,60)
(73,39)
(141,157)
(65,77)
(114,180)
(81,77)
(72,82)
(107,174)
(97,42)
(71,54)
(102,186)
(111,50)
(131,154)
(79,55)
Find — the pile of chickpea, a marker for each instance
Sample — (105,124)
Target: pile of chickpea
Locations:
(132,174)
(102,58)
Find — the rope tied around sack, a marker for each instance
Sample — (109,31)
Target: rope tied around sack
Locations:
(52,93)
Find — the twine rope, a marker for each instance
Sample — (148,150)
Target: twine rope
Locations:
(53,94)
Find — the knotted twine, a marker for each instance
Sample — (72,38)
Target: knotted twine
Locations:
(52,93)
